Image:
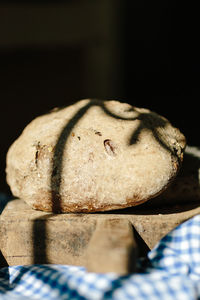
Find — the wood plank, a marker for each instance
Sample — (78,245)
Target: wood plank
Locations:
(28,236)
(112,247)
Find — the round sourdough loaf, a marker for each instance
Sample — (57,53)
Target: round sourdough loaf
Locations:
(92,156)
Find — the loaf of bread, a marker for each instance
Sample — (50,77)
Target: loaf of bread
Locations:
(92,156)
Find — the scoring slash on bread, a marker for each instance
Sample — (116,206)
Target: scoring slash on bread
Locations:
(93,156)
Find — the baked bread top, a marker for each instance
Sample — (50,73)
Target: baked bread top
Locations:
(92,156)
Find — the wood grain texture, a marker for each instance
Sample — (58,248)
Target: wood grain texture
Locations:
(28,236)
(112,247)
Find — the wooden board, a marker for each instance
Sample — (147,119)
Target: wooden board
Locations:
(100,241)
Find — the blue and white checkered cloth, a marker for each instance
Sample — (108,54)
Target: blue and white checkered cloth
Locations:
(171,271)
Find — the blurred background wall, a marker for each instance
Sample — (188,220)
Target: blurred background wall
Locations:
(53,53)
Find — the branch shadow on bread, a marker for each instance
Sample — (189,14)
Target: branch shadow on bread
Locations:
(146,123)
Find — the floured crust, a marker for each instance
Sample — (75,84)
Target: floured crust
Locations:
(94,156)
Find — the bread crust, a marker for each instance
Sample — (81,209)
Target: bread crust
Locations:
(92,156)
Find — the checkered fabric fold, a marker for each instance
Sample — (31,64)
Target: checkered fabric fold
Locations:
(171,271)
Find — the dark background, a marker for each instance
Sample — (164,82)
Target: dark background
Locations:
(54,53)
